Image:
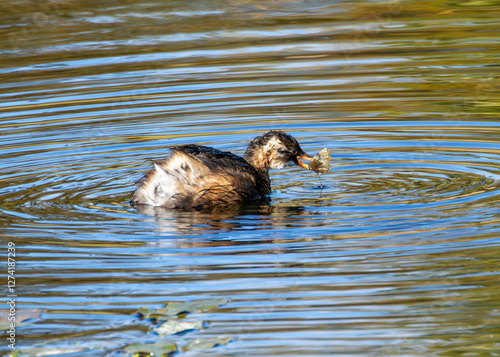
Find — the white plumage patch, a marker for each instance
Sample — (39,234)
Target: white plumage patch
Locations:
(170,181)
(273,147)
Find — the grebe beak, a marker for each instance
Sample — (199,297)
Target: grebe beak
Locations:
(303,156)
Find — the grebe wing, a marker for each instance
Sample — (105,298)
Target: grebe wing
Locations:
(214,159)
(198,177)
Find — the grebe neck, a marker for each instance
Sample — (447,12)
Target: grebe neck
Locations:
(258,158)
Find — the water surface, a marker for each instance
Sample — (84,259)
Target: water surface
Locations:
(397,255)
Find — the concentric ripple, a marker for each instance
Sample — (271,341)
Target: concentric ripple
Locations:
(391,175)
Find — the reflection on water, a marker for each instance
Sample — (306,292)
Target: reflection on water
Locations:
(397,255)
(256,215)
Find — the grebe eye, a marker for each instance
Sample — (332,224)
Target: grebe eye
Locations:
(294,152)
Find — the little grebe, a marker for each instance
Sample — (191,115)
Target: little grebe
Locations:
(201,177)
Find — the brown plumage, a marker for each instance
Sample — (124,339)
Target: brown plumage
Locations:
(204,178)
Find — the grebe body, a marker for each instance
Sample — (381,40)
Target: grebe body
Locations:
(203,178)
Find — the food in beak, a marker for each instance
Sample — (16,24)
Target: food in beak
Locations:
(320,163)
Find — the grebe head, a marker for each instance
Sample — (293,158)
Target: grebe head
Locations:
(275,149)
